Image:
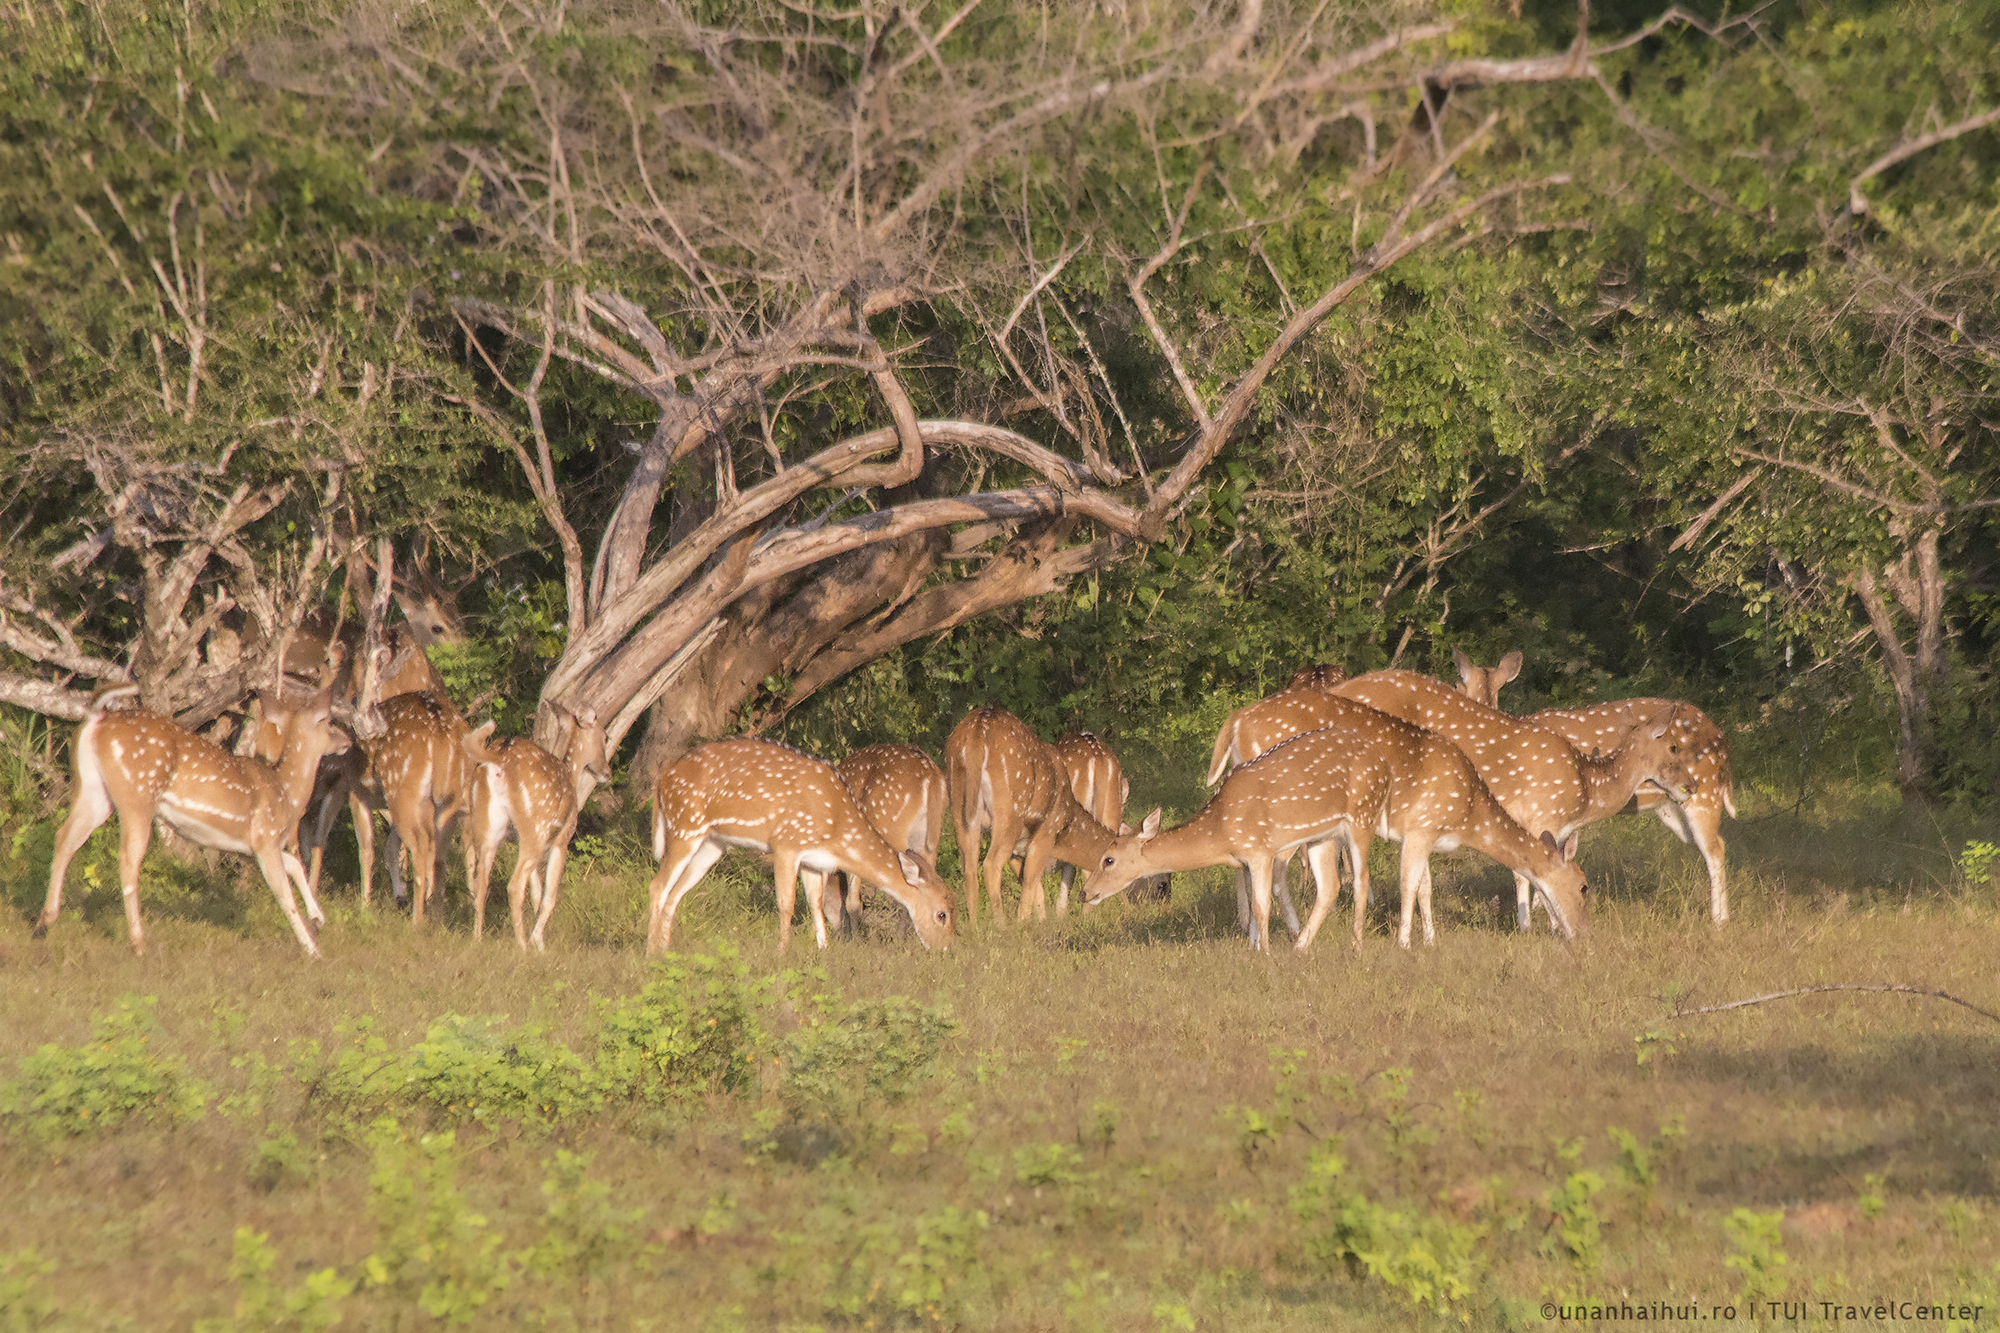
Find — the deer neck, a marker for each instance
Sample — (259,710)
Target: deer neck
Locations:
(1082,840)
(1200,842)
(298,767)
(1610,781)
(1497,834)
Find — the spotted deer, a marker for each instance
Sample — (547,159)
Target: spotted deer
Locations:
(1254,728)
(141,765)
(519,788)
(1006,779)
(770,799)
(418,771)
(903,797)
(1360,776)
(1097,780)
(1484,683)
(1603,728)
(1536,775)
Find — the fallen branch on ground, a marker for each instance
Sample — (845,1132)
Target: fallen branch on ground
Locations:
(1811,990)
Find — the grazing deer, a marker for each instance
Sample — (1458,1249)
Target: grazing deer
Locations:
(1007,779)
(1696,818)
(1484,683)
(1603,728)
(142,765)
(1254,728)
(1097,780)
(902,795)
(419,772)
(1360,776)
(771,799)
(519,787)
(1536,775)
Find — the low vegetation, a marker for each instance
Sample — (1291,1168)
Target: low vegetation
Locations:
(1118,1121)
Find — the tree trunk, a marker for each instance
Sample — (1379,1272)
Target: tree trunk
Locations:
(1916,581)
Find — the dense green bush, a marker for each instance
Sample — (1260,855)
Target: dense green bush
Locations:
(114,1077)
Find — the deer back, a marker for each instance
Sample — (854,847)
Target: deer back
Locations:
(995,762)
(1254,728)
(1606,728)
(1096,778)
(901,793)
(1533,773)
(421,743)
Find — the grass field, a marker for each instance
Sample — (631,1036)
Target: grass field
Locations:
(1120,1121)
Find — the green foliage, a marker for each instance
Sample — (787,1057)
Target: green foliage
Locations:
(463,1068)
(25,1304)
(431,1248)
(262,1304)
(1757,1251)
(1576,1230)
(98,1086)
(583,1234)
(690,1031)
(843,1057)
(1870,1201)
(1978,861)
(1425,1259)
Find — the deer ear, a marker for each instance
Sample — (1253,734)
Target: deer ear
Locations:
(586,718)
(1124,830)
(1570,844)
(1510,666)
(1549,841)
(1464,664)
(474,741)
(913,869)
(1150,829)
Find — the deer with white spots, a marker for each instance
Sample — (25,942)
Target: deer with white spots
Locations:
(1097,780)
(1535,774)
(141,766)
(1006,779)
(1484,683)
(1607,727)
(902,795)
(1360,776)
(419,774)
(770,799)
(1254,728)
(518,787)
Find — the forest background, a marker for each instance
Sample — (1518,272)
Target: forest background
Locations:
(726,365)
(826,373)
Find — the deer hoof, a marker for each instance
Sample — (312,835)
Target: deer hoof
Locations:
(41,931)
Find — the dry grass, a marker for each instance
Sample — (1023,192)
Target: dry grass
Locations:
(1131,1038)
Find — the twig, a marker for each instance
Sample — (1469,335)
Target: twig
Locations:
(1813,990)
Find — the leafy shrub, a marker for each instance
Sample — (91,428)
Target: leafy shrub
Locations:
(114,1077)
(878,1049)
(1757,1242)
(23,1302)
(690,1031)
(1578,1229)
(262,1304)
(469,1068)
(430,1246)
(1423,1258)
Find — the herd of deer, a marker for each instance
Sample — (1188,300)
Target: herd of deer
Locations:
(1324,766)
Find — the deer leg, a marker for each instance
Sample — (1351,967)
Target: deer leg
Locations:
(850,891)
(1034,865)
(297,870)
(1424,901)
(135,835)
(1281,891)
(1243,903)
(364,842)
(392,853)
(482,844)
(271,860)
(1357,859)
(968,861)
(527,868)
(1067,878)
(677,874)
(1323,859)
(1260,902)
(1415,868)
(552,873)
(1005,833)
(820,906)
(786,866)
(1523,903)
(91,807)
